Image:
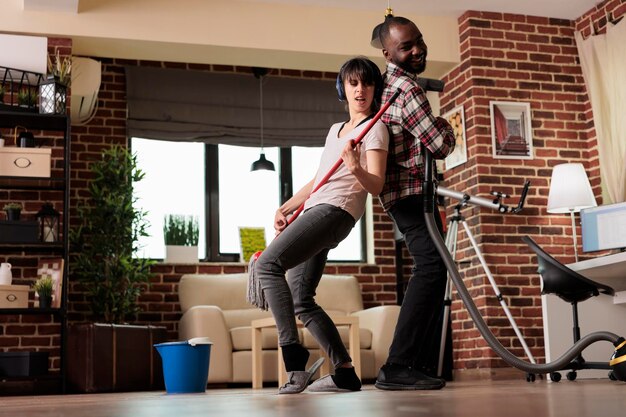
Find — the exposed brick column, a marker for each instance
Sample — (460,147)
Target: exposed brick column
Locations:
(530,59)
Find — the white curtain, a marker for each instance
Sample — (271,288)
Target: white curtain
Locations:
(603,61)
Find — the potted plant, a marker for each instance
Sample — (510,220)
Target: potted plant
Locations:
(1,94)
(26,98)
(53,91)
(181,234)
(106,264)
(44,287)
(13,211)
(60,68)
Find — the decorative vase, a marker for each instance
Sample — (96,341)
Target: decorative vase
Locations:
(6,277)
(175,254)
(13,215)
(45,302)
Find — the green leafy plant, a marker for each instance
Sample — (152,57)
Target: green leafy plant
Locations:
(106,239)
(181,230)
(60,68)
(44,286)
(12,206)
(26,97)
(1,93)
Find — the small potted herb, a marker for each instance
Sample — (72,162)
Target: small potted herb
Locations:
(13,211)
(181,234)
(26,98)
(44,287)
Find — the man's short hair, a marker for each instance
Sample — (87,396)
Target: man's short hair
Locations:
(390,21)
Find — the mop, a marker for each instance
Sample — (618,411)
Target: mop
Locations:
(255,294)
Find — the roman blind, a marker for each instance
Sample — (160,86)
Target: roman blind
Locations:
(200,106)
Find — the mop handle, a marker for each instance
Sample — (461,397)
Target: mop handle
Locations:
(356,141)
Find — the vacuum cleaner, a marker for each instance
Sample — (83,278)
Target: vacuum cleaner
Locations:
(618,359)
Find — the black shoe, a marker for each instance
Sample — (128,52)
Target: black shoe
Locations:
(400,377)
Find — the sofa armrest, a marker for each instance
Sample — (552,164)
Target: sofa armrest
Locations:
(208,321)
(381,321)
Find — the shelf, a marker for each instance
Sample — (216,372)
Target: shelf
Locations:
(57,246)
(33,121)
(31,311)
(32,183)
(56,188)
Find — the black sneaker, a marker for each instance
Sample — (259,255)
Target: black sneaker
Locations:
(395,377)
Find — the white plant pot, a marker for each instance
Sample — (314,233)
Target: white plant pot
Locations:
(181,254)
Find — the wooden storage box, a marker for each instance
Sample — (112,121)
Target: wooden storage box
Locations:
(25,162)
(14,296)
(114,357)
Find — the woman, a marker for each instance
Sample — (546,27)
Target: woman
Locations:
(329,216)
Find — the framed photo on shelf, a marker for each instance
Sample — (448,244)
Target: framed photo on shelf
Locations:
(252,240)
(456,118)
(53,267)
(511,133)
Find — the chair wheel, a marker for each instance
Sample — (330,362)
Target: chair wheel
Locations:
(612,376)
(555,376)
(571,376)
(530,377)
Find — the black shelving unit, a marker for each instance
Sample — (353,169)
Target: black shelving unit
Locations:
(9,119)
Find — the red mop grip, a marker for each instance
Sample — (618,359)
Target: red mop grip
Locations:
(356,141)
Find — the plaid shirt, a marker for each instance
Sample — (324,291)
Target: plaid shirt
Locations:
(411,122)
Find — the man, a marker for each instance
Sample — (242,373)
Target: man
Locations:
(412,353)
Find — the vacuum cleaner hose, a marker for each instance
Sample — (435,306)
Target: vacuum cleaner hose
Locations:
(618,360)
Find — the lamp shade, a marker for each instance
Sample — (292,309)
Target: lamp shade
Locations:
(570,190)
(262,164)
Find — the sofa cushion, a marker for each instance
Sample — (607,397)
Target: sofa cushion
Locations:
(227,291)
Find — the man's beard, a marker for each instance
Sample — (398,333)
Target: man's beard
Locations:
(413,70)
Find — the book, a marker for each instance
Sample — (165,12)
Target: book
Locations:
(53,267)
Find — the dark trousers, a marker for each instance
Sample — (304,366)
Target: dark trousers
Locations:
(416,339)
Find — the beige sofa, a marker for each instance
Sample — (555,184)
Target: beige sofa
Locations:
(215,306)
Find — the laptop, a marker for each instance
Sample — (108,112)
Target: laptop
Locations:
(603,227)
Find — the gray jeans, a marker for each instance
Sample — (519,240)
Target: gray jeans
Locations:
(302,249)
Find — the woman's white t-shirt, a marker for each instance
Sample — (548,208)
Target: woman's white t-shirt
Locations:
(342,189)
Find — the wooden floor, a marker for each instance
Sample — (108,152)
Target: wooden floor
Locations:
(509,398)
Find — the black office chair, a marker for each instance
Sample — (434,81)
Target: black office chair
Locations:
(572,287)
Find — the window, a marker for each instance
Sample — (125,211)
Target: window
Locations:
(225,195)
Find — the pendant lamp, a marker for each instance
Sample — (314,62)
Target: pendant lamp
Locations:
(262,163)
(375,42)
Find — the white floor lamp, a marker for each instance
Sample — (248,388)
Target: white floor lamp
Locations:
(570,192)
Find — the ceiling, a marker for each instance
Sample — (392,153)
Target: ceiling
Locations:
(563,9)
(226,32)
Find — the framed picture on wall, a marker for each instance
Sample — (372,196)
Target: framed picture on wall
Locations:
(511,133)
(456,118)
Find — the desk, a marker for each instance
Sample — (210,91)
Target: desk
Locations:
(594,314)
(257,364)
(608,270)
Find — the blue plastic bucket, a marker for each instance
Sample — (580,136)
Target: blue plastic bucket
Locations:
(185,365)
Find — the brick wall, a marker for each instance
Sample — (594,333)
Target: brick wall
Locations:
(530,59)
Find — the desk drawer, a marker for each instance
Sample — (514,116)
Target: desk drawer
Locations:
(25,162)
